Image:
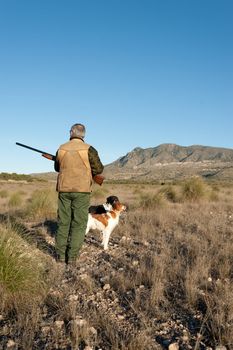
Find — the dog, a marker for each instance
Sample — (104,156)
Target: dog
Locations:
(104,208)
(105,222)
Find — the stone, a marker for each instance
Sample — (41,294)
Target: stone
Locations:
(173,346)
(73,297)
(121,317)
(185,338)
(84,276)
(45,330)
(106,286)
(11,344)
(80,322)
(93,331)
(59,324)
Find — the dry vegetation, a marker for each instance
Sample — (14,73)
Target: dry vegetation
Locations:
(166,279)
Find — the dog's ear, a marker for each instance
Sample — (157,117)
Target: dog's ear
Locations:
(112,199)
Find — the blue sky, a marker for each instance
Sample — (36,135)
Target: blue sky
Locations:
(137,73)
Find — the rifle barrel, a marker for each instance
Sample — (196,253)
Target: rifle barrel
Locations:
(33,149)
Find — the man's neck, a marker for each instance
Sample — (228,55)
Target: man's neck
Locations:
(77,138)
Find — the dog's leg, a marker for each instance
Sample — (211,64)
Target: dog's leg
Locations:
(103,237)
(106,236)
(88,227)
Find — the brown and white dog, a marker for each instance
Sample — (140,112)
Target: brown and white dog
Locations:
(104,208)
(105,222)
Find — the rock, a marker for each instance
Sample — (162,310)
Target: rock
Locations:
(80,322)
(173,346)
(59,324)
(73,297)
(93,331)
(106,286)
(11,344)
(104,279)
(185,338)
(45,330)
(121,317)
(84,276)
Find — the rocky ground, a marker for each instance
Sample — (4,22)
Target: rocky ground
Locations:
(92,306)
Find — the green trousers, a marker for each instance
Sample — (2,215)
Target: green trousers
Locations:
(72,223)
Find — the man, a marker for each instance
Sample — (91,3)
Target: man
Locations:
(77,163)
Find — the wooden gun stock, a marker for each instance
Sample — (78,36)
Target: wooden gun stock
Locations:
(99,179)
(48,156)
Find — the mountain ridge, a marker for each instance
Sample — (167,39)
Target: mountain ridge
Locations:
(179,161)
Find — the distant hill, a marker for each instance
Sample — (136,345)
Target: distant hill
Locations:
(49,176)
(170,161)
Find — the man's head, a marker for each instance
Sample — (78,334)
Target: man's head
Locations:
(77,130)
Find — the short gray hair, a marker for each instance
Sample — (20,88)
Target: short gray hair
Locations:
(77,130)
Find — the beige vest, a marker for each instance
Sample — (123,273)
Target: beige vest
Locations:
(75,171)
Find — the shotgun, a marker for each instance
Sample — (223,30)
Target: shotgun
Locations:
(97,178)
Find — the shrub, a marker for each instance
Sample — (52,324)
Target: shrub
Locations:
(147,201)
(16,177)
(21,272)
(193,189)
(169,193)
(42,204)
(15,200)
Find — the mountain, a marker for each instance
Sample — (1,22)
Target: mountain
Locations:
(171,161)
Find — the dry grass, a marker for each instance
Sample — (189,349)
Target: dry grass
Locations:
(175,253)
(42,205)
(4,193)
(15,200)
(21,273)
